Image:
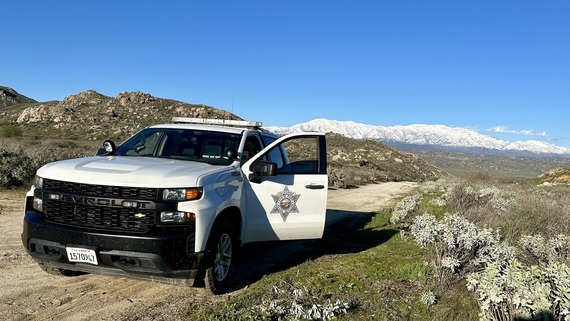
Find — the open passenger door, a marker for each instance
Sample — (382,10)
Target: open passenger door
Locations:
(286,188)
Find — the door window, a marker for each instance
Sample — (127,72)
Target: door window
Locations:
(300,156)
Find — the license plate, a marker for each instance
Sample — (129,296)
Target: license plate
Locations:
(77,254)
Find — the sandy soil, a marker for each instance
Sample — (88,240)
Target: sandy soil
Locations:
(28,293)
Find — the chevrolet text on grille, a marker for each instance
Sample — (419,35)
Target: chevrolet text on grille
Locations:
(99,201)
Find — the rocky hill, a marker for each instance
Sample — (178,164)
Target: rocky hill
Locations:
(555,176)
(91,116)
(9,97)
(359,162)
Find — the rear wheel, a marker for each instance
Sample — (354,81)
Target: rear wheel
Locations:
(221,261)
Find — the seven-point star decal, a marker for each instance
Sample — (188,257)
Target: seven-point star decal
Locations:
(285,203)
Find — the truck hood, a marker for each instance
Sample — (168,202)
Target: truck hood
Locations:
(127,171)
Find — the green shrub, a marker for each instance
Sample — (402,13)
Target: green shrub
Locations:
(337,177)
(16,169)
(479,176)
(10,131)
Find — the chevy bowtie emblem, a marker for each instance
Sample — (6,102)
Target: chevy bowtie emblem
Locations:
(140,215)
(285,203)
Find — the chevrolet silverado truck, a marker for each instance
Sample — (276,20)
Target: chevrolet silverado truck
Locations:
(175,202)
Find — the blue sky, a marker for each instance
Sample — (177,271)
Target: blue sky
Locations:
(499,67)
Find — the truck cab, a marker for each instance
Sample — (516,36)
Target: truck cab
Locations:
(174,202)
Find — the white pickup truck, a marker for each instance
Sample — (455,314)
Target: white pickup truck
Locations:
(174,202)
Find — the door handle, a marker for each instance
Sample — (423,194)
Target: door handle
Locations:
(314,186)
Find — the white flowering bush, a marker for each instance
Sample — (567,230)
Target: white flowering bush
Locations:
(300,304)
(519,291)
(498,291)
(506,289)
(502,204)
(531,284)
(426,229)
(405,208)
(491,192)
(496,197)
(438,202)
(428,298)
(458,245)
(557,276)
(509,289)
(553,250)
(433,187)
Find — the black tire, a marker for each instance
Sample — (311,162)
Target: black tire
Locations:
(222,250)
(58,271)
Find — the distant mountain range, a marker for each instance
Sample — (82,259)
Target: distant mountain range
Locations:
(430,137)
(94,116)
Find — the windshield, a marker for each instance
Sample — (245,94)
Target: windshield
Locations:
(184,144)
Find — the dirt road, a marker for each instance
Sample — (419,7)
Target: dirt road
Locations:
(28,293)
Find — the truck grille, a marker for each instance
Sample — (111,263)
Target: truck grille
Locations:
(110,218)
(96,215)
(101,190)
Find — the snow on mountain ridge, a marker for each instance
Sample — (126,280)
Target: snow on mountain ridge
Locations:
(422,134)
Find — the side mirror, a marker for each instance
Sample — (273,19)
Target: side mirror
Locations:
(107,149)
(262,168)
(232,153)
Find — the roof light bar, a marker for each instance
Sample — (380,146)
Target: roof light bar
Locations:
(209,121)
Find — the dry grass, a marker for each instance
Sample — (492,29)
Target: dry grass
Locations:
(517,209)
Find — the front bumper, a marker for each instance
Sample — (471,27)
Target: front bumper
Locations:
(163,255)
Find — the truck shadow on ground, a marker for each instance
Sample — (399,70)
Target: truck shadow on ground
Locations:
(344,233)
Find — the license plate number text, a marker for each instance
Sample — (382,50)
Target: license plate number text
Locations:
(77,254)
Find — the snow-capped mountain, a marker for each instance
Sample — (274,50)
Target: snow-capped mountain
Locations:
(453,138)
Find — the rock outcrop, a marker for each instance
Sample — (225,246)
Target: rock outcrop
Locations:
(97,116)
(10,97)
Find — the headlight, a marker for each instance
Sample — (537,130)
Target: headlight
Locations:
(38,204)
(176,217)
(38,182)
(182,194)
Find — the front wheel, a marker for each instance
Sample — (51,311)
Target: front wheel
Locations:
(221,261)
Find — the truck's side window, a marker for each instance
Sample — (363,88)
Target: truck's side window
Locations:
(301,156)
(252,147)
(276,156)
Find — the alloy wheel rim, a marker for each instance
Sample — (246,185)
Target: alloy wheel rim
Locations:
(223,257)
